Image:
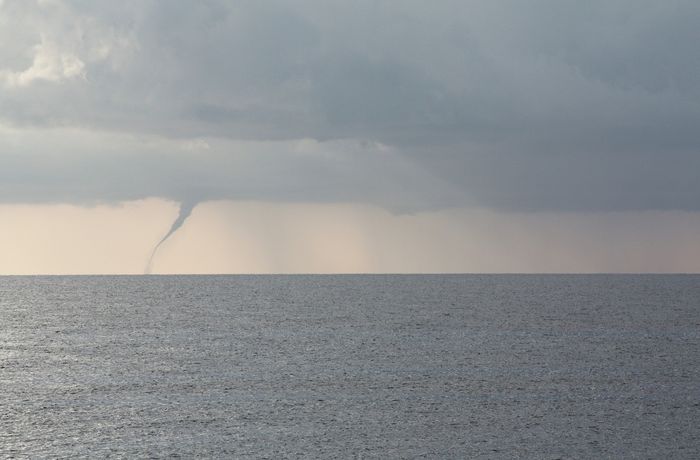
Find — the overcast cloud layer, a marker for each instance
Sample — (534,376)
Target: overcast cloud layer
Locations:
(539,105)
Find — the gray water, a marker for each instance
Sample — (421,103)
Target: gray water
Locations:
(350,366)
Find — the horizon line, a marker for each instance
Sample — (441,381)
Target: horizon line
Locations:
(7,275)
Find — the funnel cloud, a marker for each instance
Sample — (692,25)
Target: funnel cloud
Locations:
(184,212)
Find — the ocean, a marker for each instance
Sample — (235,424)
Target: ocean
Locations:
(366,366)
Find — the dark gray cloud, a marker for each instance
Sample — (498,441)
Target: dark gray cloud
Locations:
(93,168)
(548,104)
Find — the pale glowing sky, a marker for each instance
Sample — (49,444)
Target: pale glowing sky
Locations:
(366,136)
(254,237)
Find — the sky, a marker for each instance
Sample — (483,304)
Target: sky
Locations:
(330,136)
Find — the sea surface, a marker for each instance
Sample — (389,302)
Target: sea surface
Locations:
(387,366)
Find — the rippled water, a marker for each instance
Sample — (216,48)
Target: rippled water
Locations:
(350,366)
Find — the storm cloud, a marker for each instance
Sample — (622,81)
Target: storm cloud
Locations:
(549,105)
